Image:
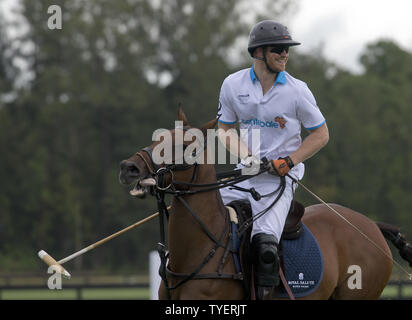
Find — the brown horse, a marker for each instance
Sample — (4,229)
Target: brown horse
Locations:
(199,266)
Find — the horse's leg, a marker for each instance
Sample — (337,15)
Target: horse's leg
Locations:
(162,291)
(205,289)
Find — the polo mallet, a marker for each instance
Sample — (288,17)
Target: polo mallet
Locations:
(50,261)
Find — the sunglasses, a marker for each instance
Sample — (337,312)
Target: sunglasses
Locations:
(279,49)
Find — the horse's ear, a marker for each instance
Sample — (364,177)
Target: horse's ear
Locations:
(182,117)
(209,125)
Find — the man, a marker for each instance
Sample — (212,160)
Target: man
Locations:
(268,99)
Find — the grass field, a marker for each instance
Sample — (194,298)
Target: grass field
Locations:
(72,294)
(391,292)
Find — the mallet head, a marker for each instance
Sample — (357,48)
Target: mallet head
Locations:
(51,262)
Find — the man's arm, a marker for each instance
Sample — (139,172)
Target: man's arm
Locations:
(315,141)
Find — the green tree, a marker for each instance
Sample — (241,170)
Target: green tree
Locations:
(364,166)
(98,88)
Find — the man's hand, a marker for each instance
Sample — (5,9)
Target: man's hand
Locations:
(281,166)
(249,161)
(251,165)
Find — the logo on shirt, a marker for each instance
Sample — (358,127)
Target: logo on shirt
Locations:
(278,122)
(243,98)
(281,121)
(260,123)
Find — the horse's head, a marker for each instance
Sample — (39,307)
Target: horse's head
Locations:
(172,153)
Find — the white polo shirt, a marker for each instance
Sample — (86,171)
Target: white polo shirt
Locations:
(278,115)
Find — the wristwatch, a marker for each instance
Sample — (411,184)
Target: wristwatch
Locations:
(289,162)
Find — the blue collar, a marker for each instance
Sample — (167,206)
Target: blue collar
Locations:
(281,78)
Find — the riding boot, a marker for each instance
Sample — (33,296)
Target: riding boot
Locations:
(265,265)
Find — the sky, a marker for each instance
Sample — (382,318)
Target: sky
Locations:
(342,27)
(345,27)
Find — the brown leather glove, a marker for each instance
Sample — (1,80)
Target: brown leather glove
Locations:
(281,166)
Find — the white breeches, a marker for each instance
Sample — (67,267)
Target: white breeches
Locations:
(273,221)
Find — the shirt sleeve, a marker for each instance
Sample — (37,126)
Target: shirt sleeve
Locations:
(225,112)
(307,110)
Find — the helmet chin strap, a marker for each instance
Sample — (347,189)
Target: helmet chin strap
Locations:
(266,64)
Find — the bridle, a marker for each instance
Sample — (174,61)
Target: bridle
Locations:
(158,172)
(160,190)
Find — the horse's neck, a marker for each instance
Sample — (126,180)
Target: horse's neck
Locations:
(184,230)
(206,205)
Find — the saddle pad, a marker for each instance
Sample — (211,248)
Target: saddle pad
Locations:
(303,264)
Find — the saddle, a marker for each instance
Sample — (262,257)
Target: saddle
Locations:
(292,230)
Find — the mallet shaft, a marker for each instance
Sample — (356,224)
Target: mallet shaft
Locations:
(49,260)
(114,235)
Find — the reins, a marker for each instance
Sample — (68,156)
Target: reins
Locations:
(226,179)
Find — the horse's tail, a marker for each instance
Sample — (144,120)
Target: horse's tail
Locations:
(393,234)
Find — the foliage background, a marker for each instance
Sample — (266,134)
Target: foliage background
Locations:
(75,102)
